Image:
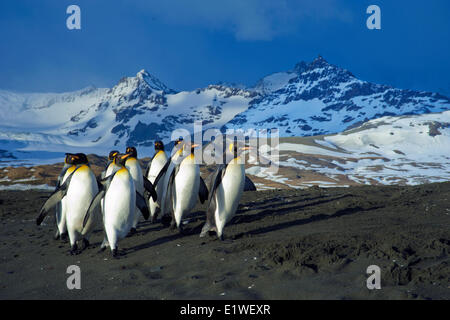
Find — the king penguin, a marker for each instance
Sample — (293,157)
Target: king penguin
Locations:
(227,185)
(78,188)
(110,168)
(162,179)
(157,162)
(184,185)
(133,166)
(120,200)
(61,230)
(109,165)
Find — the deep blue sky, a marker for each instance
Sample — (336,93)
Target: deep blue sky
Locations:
(192,43)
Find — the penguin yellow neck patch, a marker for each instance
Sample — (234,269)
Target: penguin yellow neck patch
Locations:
(122,171)
(83,168)
(70,170)
(236,160)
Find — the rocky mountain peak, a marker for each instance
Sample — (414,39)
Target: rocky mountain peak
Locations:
(153,82)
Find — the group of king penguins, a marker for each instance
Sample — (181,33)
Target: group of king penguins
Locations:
(170,187)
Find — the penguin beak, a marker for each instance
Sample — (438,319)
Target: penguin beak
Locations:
(125,156)
(246,148)
(195,145)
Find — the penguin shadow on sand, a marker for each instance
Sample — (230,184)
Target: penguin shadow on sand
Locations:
(196,219)
(297,222)
(145,227)
(191,229)
(280,209)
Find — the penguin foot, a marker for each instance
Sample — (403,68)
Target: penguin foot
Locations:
(165,220)
(115,253)
(85,244)
(64,236)
(221,238)
(155,215)
(74,250)
(206,230)
(132,232)
(212,233)
(181,229)
(101,249)
(56,236)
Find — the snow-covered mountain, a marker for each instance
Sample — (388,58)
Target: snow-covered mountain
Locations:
(405,150)
(320,98)
(137,111)
(400,150)
(313,98)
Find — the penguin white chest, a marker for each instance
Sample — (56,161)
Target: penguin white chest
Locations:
(229,193)
(120,201)
(136,173)
(186,184)
(111,169)
(157,164)
(82,189)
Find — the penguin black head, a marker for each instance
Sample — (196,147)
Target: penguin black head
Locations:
(120,158)
(112,154)
(178,141)
(159,145)
(179,145)
(76,158)
(237,150)
(131,151)
(193,146)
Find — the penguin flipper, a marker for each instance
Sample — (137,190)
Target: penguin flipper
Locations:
(149,164)
(162,172)
(94,203)
(103,186)
(54,198)
(150,188)
(216,180)
(165,184)
(210,224)
(61,176)
(249,185)
(203,191)
(142,205)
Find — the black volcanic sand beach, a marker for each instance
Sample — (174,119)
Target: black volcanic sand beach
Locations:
(283,244)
